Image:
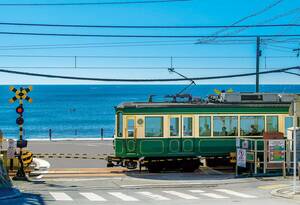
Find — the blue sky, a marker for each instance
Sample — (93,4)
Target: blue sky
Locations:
(194,12)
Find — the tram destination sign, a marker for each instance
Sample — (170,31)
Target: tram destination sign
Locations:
(276,151)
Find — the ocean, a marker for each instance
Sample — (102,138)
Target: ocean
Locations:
(81,111)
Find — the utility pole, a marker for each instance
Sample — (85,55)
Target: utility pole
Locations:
(258,54)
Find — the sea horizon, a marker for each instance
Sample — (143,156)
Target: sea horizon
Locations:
(81,111)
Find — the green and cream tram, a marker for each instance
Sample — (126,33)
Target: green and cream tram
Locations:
(176,134)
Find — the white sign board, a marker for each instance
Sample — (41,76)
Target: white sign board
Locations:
(245,144)
(241,155)
(276,151)
(11,149)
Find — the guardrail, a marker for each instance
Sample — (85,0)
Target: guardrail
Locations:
(53,133)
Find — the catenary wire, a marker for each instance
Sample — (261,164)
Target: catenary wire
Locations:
(146,80)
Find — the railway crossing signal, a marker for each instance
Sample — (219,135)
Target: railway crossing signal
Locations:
(25,157)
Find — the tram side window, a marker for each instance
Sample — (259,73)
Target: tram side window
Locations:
(120,124)
(174,126)
(225,126)
(204,126)
(187,126)
(130,127)
(154,126)
(252,125)
(272,124)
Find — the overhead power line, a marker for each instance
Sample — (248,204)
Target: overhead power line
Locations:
(148,27)
(257,13)
(92,3)
(145,80)
(138,57)
(144,36)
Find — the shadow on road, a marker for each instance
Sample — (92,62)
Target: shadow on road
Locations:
(25,199)
(198,175)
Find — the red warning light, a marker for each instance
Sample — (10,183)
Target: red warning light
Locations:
(20,110)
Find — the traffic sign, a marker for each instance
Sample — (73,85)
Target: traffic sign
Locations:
(11,149)
(241,157)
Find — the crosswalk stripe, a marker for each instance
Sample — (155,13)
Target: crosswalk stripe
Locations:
(123,197)
(61,196)
(153,196)
(234,193)
(196,191)
(92,197)
(215,196)
(181,195)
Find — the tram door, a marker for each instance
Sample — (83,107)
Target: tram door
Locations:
(130,131)
(187,133)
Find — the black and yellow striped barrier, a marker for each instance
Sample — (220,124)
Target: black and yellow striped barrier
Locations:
(70,156)
(26,158)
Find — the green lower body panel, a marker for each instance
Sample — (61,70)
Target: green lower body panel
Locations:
(174,147)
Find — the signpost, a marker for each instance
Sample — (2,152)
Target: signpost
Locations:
(241,157)
(11,149)
(295,112)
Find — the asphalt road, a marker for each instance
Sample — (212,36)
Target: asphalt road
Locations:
(90,191)
(88,148)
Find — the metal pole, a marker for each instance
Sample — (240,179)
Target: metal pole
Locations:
(295,147)
(258,54)
(50,134)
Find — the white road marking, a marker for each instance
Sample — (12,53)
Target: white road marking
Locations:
(181,195)
(196,191)
(92,197)
(234,193)
(61,196)
(215,196)
(153,196)
(123,197)
(40,176)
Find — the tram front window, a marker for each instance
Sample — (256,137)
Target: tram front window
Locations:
(174,126)
(154,126)
(225,126)
(252,125)
(272,124)
(187,126)
(130,128)
(204,126)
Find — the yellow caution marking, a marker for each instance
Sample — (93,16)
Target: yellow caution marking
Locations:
(272,186)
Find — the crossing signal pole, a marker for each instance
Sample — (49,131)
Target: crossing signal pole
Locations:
(20,95)
(258,55)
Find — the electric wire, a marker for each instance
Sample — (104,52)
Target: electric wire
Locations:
(144,36)
(93,3)
(148,27)
(146,80)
